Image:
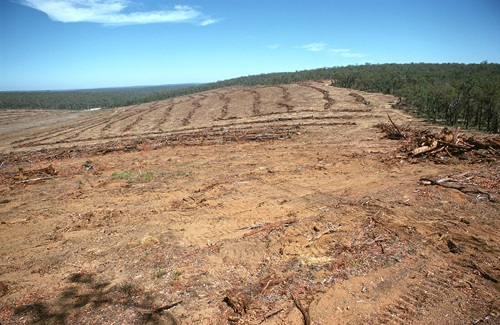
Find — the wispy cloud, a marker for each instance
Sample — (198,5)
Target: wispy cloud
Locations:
(112,12)
(273,46)
(314,47)
(346,53)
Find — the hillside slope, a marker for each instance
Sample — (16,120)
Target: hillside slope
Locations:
(245,205)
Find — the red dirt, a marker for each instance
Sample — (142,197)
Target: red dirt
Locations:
(272,205)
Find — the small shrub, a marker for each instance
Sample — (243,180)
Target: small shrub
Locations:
(122,175)
(132,176)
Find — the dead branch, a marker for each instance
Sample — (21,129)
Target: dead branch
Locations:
(463,189)
(35,179)
(326,232)
(270,227)
(271,314)
(304,311)
(396,127)
(158,310)
(455,135)
(255,226)
(484,274)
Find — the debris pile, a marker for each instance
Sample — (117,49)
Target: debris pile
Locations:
(22,176)
(359,99)
(439,146)
(152,141)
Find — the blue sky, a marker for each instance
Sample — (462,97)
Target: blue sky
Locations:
(75,44)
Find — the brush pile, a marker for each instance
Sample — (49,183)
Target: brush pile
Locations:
(441,146)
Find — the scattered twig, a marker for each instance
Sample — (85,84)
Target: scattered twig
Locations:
(270,227)
(271,314)
(326,232)
(369,242)
(160,309)
(35,179)
(255,226)
(16,221)
(304,311)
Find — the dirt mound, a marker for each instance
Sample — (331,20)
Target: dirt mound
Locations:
(264,205)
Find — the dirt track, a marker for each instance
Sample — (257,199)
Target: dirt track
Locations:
(272,205)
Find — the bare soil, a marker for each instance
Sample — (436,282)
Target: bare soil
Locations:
(263,205)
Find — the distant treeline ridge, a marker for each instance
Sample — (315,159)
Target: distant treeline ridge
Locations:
(451,93)
(80,99)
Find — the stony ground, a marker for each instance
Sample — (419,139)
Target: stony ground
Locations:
(264,205)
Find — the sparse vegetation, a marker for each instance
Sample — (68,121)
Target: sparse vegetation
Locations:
(132,176)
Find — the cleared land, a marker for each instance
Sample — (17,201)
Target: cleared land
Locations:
(271,205)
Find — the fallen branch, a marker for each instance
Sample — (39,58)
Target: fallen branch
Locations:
(35,179)
(326,232)
(271,314)
(255,226)
(463,189)
(158,310)
(396,127)
(484,274)
(270,227)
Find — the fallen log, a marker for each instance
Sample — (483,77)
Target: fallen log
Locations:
(424,149)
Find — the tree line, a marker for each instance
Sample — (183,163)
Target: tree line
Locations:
(80,99)
(451,93)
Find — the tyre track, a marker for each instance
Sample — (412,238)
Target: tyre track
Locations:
(421,297)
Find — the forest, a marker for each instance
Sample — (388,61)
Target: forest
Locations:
(80,99)
(454,94)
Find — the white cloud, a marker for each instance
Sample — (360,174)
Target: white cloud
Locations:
(314,47)
(111,12)
(273,46)
(207,22)
(346,53)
